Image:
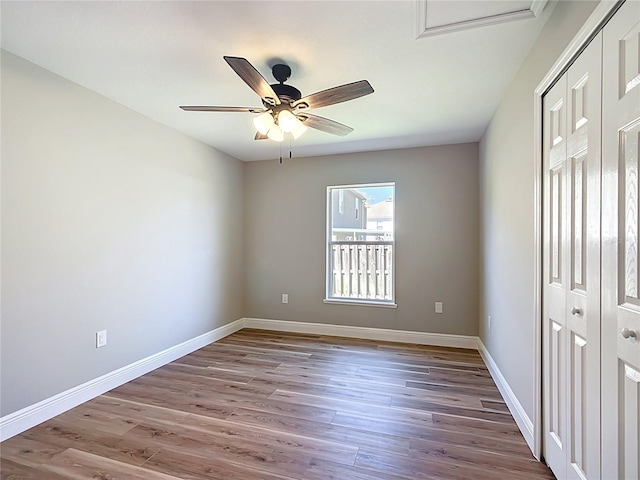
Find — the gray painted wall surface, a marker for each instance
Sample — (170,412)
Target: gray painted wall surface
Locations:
(436,237)
(507,169)
(109,221)
(112,221)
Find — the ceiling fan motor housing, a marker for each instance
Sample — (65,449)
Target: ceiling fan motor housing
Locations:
(286,93)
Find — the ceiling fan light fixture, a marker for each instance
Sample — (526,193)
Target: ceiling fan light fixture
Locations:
(299,129)
(263,122)
(286,121)
(284,108)
(275,133)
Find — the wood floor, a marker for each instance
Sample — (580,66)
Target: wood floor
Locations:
(269,405)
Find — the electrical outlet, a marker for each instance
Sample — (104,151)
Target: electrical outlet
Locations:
(101,338)
(489,322)
(285,298)
(438,307)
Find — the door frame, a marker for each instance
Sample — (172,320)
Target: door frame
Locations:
(601,14)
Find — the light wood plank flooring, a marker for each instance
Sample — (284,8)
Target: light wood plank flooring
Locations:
(270,405)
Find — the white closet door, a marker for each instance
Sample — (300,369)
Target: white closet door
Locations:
(555,277)
(584,133)
(572,259)
(620,253)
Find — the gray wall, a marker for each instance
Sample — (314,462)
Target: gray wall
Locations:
(109,221)
(507,210)
(436,237)
(112,221)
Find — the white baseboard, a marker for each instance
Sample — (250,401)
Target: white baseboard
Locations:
(444,340)
(384,334)
(517,411)
(33,415)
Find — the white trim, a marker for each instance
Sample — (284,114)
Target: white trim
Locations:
(588,29)
(517,411)
(367,333)
(33,415)
(537,6)
(363,303)
(328,239)
(424,31)
(355,186)
(536,447)
(421,338)
(601,11)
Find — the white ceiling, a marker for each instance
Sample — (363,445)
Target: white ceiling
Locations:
(154,56)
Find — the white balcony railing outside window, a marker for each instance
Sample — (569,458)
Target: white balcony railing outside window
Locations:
(361,270)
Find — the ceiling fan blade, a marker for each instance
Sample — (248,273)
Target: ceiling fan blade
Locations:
(206,108)
(324,124)
(334,95)
(252,77)
(260,136)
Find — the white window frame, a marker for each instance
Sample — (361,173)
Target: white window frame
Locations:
(391,303)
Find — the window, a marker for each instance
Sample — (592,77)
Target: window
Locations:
(361,244)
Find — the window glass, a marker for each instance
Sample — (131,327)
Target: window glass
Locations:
(360,243)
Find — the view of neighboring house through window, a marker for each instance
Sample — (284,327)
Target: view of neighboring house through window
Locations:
(360,243)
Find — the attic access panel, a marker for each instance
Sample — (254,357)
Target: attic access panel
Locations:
(437,17)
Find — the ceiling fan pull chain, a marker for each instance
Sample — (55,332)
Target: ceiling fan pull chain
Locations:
(281,154)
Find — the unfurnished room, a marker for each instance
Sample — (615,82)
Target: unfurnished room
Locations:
(314,240)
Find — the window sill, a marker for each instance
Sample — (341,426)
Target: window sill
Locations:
(362,303)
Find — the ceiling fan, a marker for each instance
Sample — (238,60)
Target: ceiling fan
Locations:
(284,109)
